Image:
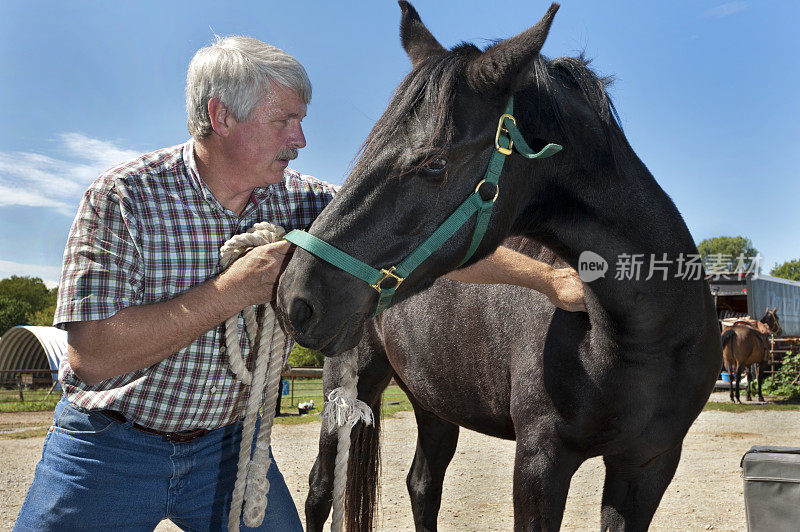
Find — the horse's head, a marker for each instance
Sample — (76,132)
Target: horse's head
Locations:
(770,318)
(423,157)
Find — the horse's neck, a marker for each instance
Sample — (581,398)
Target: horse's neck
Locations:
(619,216)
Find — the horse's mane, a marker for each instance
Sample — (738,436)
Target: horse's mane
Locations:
(430,89)
(575,72)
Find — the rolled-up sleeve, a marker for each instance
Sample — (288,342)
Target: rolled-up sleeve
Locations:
(101,272)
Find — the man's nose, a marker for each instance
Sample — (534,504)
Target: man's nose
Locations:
(298,139)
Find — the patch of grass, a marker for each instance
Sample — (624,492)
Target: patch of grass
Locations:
(295,419)
(312,389)
(30,394)
(389,410)
(744,407)
(30,406)
(291,418)
(39,432)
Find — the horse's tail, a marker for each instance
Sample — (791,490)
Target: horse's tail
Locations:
(363,474)
(728,345)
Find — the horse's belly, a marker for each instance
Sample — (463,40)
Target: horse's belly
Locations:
(462,405)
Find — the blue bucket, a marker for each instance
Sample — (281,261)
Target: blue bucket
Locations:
(726,377)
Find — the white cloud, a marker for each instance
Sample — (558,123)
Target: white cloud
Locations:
(48,274)
(18,196)
(726,9)
(35,180)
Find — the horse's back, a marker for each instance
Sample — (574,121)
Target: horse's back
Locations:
(742,346)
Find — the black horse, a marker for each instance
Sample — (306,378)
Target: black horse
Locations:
(624,380)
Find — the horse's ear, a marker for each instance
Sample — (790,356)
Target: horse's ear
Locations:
(417,41)
(498,68)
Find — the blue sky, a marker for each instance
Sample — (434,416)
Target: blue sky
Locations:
(706,90)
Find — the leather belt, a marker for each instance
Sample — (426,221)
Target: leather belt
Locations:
(183,436)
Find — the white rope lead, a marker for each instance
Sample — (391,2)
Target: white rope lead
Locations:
(342,410)
(251,477)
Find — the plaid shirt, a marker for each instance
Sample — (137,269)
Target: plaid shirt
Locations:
(145,232)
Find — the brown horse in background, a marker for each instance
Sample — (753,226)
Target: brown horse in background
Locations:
(744,345)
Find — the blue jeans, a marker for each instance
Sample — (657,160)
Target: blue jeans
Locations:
(99,474)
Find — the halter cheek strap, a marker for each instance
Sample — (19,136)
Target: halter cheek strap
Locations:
(386,281)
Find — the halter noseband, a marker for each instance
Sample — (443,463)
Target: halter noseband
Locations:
(387,281)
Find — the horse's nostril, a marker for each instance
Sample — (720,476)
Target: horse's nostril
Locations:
(300,312)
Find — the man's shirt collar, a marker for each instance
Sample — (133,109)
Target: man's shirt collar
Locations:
(257,196)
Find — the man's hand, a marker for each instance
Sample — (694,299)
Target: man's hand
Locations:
(254,276)
(140,336)
(567,290)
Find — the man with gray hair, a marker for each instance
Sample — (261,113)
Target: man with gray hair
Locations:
(150,423)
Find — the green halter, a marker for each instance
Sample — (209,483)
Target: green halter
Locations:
(386,281)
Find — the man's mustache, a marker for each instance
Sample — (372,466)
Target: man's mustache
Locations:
(289,154)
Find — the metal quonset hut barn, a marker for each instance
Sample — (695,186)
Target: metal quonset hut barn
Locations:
(737,295)
(30,347)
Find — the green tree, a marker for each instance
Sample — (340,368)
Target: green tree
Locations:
(43,317)
(301,357)
(722,253)
(29,290)
(788,270)
(12,313)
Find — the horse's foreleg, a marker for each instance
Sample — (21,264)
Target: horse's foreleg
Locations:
(436,444)
(759,377)
(543,469)
(633,489)
(320,481)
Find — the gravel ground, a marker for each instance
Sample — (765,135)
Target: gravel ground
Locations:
(706,493)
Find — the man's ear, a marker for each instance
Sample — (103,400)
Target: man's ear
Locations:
(221,118)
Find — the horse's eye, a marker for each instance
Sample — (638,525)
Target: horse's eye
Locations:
(436,165)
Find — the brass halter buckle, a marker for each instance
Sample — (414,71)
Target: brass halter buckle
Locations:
(386,275)
(501,128)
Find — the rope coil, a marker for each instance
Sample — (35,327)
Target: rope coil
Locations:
(342,410)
